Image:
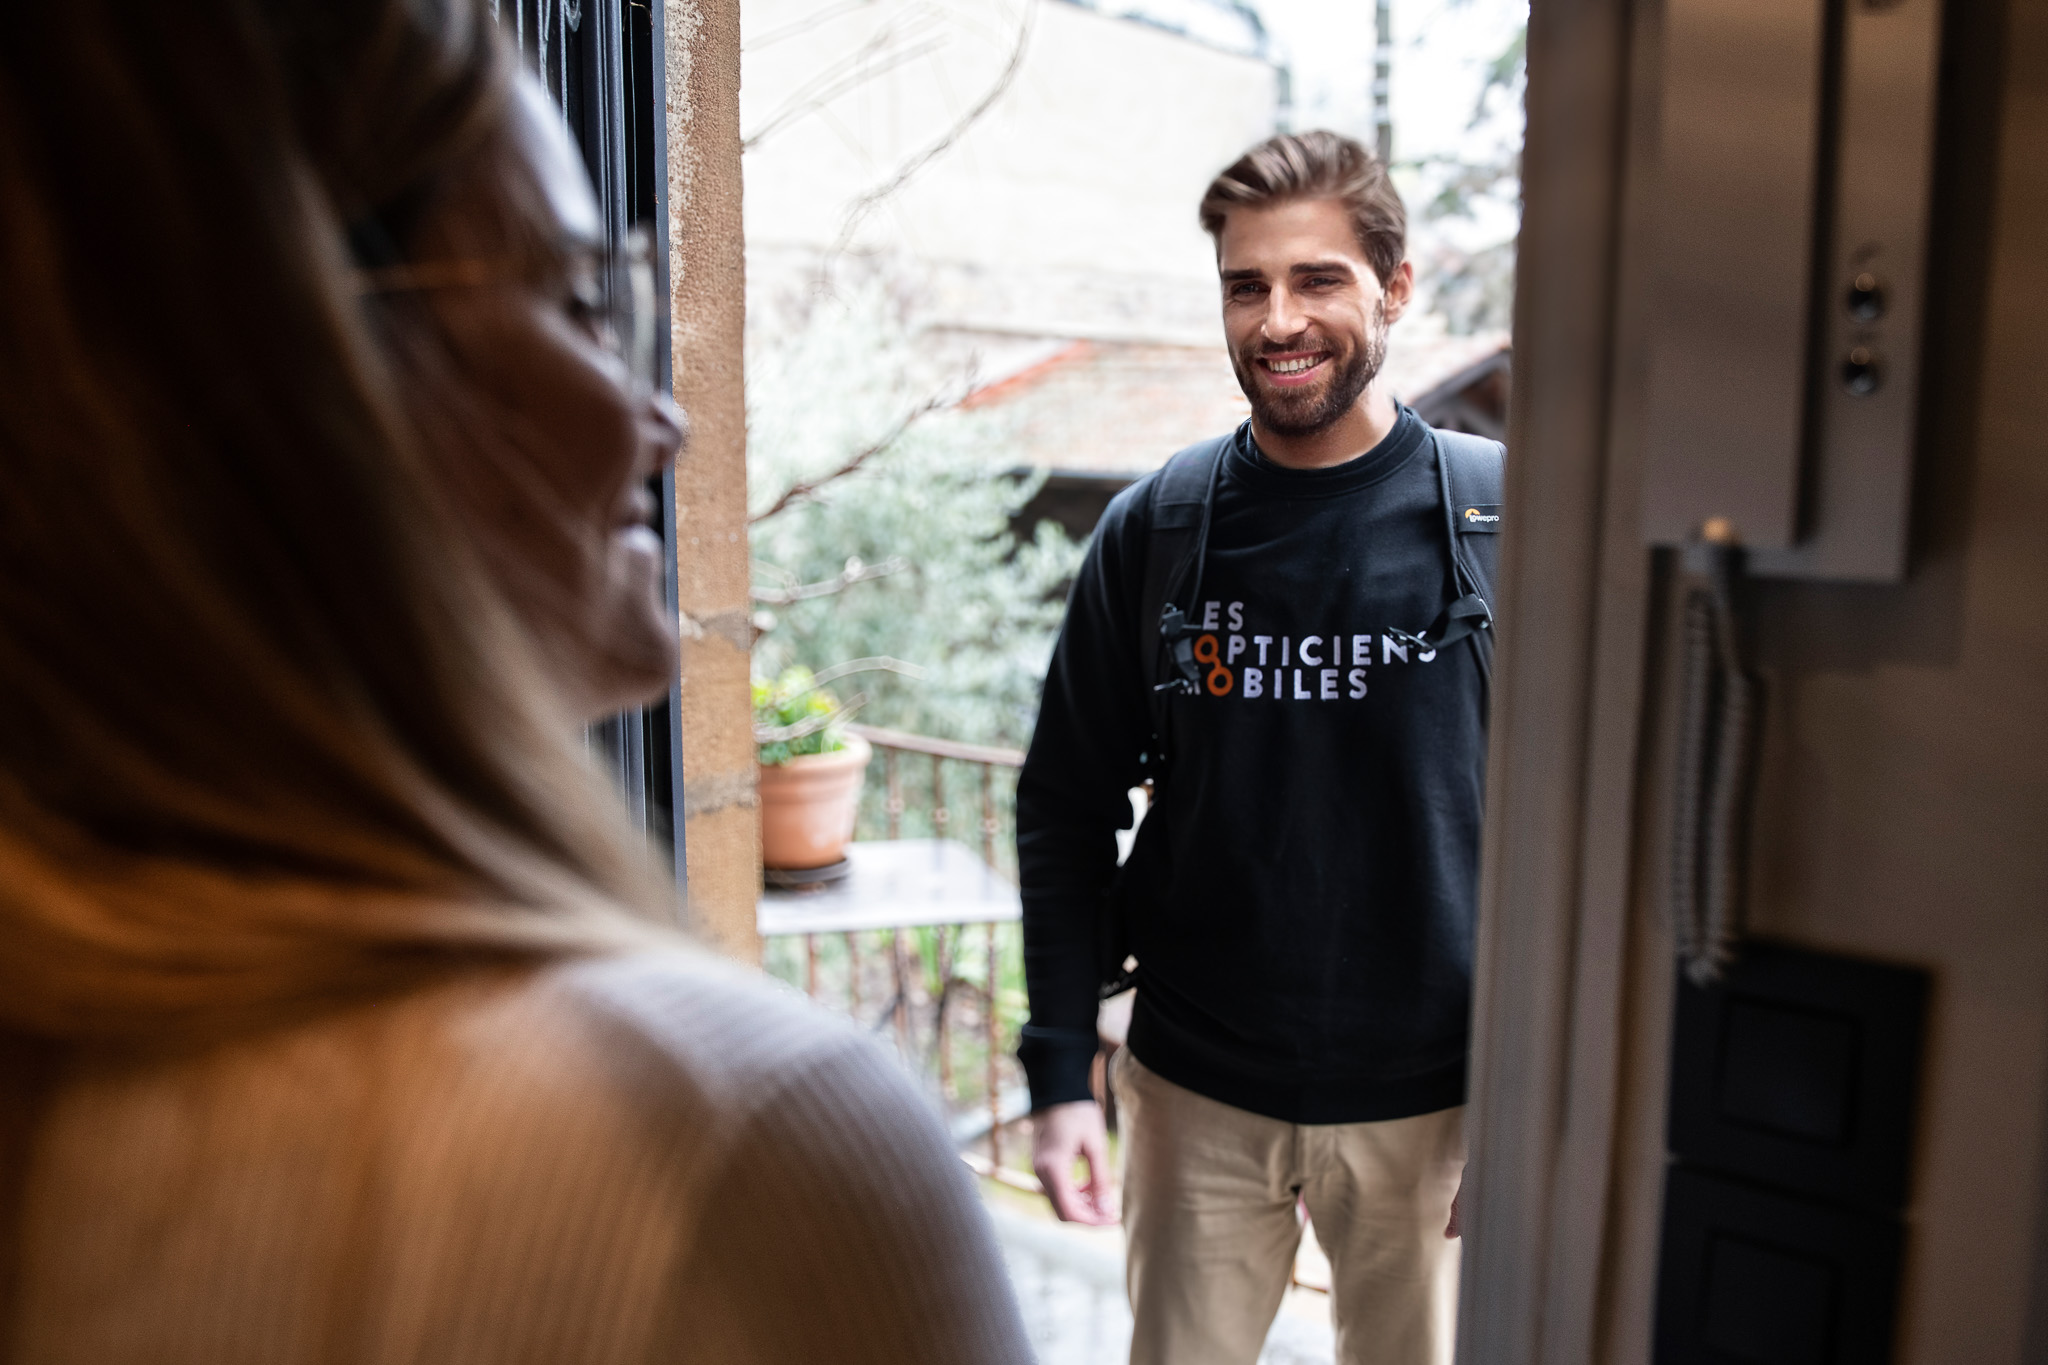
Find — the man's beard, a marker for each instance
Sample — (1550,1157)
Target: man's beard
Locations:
(1317,407)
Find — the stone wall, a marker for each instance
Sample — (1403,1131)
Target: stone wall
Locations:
(707,271)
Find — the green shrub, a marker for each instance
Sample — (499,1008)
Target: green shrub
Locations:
(919,533)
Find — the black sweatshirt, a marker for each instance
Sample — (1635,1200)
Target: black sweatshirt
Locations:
(1302,892)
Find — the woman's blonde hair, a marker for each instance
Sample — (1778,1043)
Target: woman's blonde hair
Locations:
(269,736)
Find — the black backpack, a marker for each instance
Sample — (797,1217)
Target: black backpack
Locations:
(1471,473)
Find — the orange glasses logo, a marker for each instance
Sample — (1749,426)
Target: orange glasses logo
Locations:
(1220,678)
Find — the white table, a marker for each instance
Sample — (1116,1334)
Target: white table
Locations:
(895,884)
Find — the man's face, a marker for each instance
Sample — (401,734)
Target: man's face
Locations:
(1304,316)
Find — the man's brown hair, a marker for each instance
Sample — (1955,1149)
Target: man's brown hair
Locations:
(1318,165)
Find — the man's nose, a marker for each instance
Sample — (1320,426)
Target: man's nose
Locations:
(1284,317)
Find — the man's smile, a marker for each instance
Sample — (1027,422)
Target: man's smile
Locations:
(1293,368)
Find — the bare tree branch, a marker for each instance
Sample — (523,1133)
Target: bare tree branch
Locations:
(857,212)
(855,572)
(877,663)
(810,725)
(870,62)
(797,492)
(810,23)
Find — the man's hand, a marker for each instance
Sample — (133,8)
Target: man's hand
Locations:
(1061,1135)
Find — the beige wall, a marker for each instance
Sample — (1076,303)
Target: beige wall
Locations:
(1903,799)
(708,290)
(1904,796)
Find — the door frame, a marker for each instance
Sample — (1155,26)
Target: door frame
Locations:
(1572,994)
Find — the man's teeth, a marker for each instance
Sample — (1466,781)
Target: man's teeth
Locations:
(1293,366)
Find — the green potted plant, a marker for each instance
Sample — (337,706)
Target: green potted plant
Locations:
(811,772)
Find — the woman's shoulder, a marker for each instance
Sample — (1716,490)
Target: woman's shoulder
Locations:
(728,1138)
(678,1040)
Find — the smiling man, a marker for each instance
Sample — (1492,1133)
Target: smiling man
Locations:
(1285,632)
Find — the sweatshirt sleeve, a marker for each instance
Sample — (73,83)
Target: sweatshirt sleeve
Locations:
(1073,795)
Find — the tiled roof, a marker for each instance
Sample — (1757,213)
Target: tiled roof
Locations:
(1116,408)
(1120,408)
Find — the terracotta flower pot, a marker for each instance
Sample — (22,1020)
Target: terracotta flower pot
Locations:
(808,805)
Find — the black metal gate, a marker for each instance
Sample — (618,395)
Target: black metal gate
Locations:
(601,60)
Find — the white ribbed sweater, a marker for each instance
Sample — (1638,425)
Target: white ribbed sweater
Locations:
(645,1158)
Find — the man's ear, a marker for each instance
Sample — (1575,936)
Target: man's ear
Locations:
(1399,289)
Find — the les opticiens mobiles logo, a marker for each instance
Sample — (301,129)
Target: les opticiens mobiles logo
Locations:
(1287,667)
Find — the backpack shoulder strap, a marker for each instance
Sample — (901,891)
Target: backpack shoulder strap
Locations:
(1175,513)
(1478,476)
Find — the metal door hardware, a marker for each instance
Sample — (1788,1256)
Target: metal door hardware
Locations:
(1794,167)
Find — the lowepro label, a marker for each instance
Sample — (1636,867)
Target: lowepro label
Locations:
(1479,518)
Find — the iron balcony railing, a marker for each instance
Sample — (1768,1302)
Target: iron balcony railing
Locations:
(929,949)
(922,943)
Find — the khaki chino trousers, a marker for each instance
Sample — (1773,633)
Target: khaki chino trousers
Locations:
(1209,1195)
